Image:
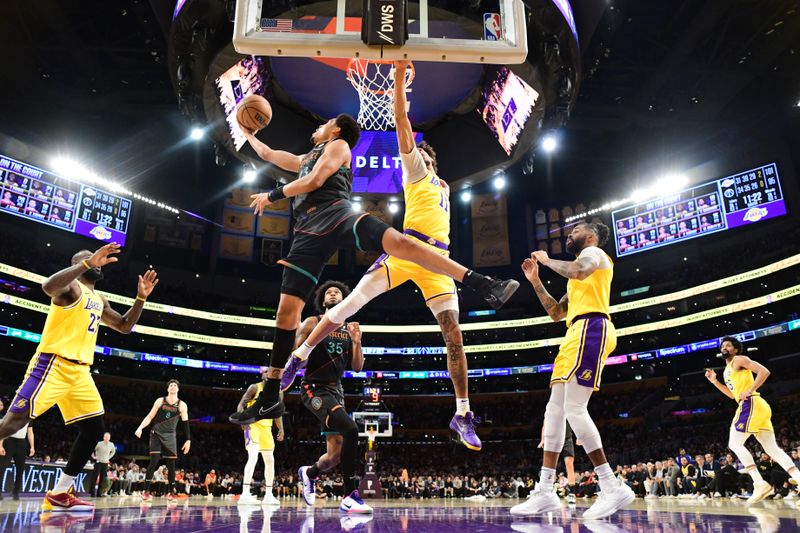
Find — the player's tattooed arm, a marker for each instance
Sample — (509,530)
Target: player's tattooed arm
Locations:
(557,310)
(580,269)
(248,395)
(62,286)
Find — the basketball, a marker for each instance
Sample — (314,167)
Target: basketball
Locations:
(253,112)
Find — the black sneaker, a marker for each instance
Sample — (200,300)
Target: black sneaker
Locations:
(500,291)
(261,409)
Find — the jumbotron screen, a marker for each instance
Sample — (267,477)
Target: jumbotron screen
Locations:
(737,200)
(32,193)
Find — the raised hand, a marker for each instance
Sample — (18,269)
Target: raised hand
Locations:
(531,269)
(540,256)
(146,284)
(711,375)
(104,255)
(260,201)
(355,331)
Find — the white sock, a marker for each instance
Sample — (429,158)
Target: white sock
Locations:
(606,478)
(462,406)
(64,483)
(756,475)
(547,476)
(303,351)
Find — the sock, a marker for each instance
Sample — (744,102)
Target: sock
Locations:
(547,476)
(475,281)
(64,483)
(573,489)
(271,389)
(756,475)
(303,351)
(462,406)
(313,472)
(606,478)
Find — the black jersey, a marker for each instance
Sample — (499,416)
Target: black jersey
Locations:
(337,187)
(167,417)
(328,360)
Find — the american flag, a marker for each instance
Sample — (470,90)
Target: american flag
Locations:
(276,24)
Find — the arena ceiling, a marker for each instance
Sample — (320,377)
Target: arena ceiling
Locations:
(663,81)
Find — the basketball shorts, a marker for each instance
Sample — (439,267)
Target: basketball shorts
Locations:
(318,235)
(754,415)
(584,350)
(322,400)
(259,436)
(434,287)
(164,443)
(53,380)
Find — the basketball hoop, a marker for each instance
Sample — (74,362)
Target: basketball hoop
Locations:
(373,79)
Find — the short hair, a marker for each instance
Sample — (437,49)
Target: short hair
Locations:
(175,381)
(599,229)
(736,343)
(319,296)
(349,130)
(428,149)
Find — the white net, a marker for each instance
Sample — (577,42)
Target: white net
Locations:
(374,82)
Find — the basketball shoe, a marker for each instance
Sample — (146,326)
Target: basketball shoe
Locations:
(290,371)
(609,502)
(537,503)
(761,489)
(309,493)
(270,500)
(463,428)
(262,408)
(248,499)
(65,501)
(499,291)
(147,497)
(354,504)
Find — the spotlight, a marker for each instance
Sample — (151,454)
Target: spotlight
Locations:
(466,195)
(393,207)
(357,206)
(249,175)
(671,183)
(499,182)
(197,133)
(549,142)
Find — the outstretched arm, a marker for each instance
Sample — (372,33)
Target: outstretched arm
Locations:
(62,284)
(357,362)
(124,323)
(557,310)
(405,135)
(579,269)
(286,160)
(149,418)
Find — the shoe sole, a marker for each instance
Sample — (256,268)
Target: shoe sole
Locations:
(353,511)
(524,513)
(252,420)
(73,509)
(765,496)
(456,437)
(511,288)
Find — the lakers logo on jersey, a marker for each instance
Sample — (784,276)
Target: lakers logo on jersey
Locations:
(21,403)
(740,427)
(586,375)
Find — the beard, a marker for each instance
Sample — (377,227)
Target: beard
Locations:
(330,305)
(93,275)
(573,246)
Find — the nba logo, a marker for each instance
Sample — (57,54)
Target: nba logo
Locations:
(491,26)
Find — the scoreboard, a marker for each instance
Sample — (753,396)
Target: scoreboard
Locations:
(35,194)
(737,200)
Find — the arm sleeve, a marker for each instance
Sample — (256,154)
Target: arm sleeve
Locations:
(186,429)
(414,168)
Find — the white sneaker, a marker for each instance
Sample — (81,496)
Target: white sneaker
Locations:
(571,499)
(248,499)
(269,499)
(761,489)
(354,504)
(609,502)
(309,493)
(539,502)
(717,495)
(651,497)
(791,496)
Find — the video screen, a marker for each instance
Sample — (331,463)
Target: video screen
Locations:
(248,76)
(506,105)
(376,163)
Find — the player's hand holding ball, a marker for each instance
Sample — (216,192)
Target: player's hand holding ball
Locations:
(253,113)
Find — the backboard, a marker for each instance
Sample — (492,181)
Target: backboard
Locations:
(380,420)
(490,32)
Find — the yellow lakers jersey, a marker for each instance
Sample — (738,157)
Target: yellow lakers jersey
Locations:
(591,295)
(738,381)
(265,423)
(427,208)
(71,331)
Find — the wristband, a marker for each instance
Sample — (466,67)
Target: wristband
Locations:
(86,264)
(143,300)
(276,194)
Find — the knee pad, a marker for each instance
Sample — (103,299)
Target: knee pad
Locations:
(582,425)
(555,424)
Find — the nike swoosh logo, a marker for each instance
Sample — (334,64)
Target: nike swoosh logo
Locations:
(263,411)
(346,506)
